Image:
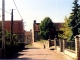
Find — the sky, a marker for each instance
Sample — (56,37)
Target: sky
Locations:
(31,10)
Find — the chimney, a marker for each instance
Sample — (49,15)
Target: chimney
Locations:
(30,30)
(34,21)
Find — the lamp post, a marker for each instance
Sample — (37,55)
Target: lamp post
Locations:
(3,27)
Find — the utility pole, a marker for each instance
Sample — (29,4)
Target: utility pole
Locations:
(11,36)
(3,27)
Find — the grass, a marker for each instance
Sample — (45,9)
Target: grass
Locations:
(28,45)
(42,41)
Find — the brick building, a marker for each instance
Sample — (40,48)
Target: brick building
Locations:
(28,37)
(36,30)
(17,28)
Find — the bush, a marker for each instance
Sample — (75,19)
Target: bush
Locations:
(21,46)
(10,50)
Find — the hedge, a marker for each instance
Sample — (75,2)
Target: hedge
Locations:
(10,50)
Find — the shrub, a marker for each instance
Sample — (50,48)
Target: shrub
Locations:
(10,50)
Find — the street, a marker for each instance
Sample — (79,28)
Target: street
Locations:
(40,54)
(37,52)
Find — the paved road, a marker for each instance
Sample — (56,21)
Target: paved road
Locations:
(41,45)
(40,54)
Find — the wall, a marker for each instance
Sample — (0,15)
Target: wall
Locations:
(58,48)
(61,48)
(28,37)
(36,36)
(70,53)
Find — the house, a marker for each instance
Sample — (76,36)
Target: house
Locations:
(28,37)
(36,30)
(17,28)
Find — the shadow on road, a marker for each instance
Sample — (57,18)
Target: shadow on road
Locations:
(52,49)
(18,59)
(15,56)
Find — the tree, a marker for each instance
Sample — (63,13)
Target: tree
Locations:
(65,29)
(7,37)
(75,19)
(47,28)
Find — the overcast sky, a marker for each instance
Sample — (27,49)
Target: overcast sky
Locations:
(31,10)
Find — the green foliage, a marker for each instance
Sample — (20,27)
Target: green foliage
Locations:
(10,50)
(47,28)
(75,19)
(65,29)
(7,37)
(15,38)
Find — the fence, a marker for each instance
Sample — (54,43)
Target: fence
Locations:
(57,42)
(71,48)
(70,45)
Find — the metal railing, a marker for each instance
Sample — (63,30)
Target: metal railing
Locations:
(57,42)
(70,45)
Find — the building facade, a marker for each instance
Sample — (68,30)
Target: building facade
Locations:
(18,28)
(36,30)
(28,37)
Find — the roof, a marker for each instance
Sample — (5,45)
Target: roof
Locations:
(17,26)
(58,25)
(36,26)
